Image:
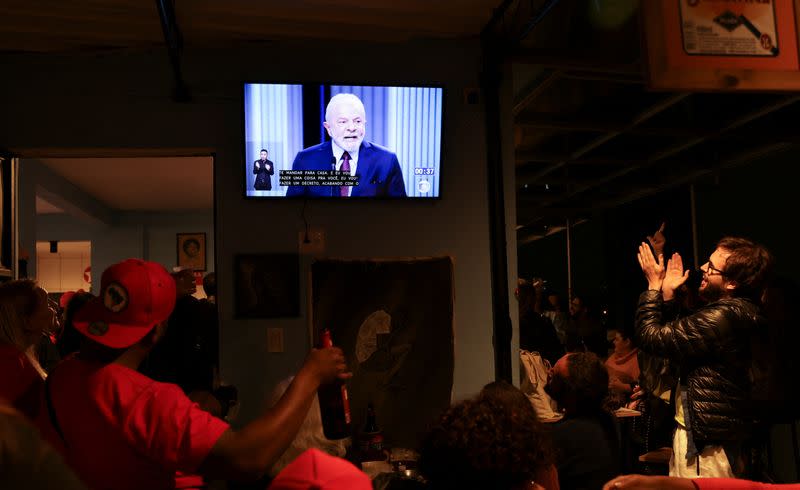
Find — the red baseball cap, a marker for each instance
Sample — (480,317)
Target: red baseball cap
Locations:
(135,296)
(317,470)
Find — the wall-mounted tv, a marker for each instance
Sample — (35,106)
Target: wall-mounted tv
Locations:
(342,141)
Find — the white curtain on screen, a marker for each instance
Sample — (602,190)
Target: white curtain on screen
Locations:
(273,121)
(414,127)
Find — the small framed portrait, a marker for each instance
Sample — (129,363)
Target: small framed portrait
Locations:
(192,251)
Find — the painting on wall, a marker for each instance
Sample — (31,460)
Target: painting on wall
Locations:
(267,286)
(394,322)
(191,248)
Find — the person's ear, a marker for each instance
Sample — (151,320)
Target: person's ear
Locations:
(731,285)
(327,128)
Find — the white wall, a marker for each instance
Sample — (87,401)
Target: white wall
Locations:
(149,236)
(122,101)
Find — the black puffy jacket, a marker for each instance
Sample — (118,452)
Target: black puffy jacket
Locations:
(711,348)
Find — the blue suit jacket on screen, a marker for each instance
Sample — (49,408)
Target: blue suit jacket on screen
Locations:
(378,169)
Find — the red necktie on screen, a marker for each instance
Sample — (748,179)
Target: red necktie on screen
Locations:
(345,168)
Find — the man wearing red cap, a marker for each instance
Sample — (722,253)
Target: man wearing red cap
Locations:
(123,430)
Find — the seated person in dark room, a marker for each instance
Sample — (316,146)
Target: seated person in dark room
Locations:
(585,440)
(493,442)
(378,168)
(263,169)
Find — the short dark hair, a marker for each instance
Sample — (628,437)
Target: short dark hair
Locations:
(585,388)
(186,245)
(484,443)
(264,150)
(749,265)
(626,334)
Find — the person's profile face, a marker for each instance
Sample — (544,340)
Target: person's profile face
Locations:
(347,125)
(714,283)
(263,155)
(621,345)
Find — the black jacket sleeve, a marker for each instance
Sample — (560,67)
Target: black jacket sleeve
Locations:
(699,335)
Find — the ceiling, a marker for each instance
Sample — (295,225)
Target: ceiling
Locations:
(92,25)
(140,184)
(588,134)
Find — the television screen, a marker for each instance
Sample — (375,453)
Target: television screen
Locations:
(342,142)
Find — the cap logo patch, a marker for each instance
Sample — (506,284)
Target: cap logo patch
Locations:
(115,297)
(98,328)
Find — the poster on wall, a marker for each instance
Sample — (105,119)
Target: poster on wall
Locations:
(729,28)
(722,44)
(394,322)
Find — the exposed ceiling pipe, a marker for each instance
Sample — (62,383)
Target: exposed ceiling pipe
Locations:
(533,21)
(537,17)
(497,16)
(174,42)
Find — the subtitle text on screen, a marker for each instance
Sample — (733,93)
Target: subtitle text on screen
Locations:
(317,178)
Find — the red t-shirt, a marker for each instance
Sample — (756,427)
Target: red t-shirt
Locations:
(124,430)
(20,384)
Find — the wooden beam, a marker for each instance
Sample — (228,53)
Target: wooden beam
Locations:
(680,147)
(636,79)
(574,61)
(643,116)
(549,121)
(525,158)
(644,191)
(535,89)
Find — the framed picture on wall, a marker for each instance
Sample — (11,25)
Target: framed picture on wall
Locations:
(191,248)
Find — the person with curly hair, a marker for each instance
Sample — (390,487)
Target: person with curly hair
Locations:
(493,441)
(586,438)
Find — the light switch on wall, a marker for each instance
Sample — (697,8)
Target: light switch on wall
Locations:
(313,243)
(274,339)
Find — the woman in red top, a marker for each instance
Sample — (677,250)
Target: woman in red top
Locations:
(24,315)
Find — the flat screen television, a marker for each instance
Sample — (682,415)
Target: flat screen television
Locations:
(327,141)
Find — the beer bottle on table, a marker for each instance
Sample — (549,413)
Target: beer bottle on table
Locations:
(334,406)
(371,440)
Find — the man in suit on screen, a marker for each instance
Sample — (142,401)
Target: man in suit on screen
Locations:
(378,170)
